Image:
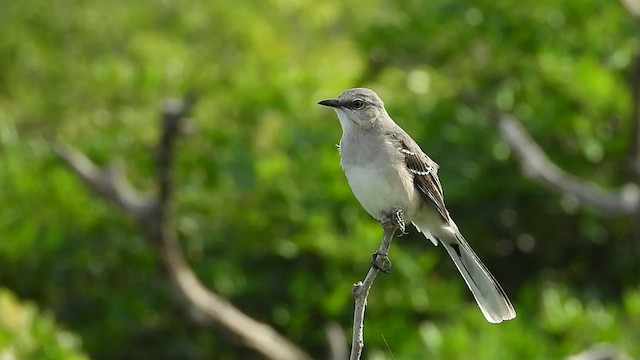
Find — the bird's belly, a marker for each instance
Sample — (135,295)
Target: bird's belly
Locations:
(382,190)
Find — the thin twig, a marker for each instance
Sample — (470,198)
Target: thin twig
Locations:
(537,166)
(154,218)
(390,224)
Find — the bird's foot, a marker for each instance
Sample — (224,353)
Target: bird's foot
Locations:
(381,262)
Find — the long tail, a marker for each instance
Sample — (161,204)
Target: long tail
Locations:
(491,299)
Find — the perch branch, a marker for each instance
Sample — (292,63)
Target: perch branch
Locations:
(537,166)
(153,216)
(390,224)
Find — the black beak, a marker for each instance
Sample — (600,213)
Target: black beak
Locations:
(331,102)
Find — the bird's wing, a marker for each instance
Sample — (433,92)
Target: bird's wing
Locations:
(424,171)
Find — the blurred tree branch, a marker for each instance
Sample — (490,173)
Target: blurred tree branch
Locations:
(337,341)
(153,216)
(602,351)
(390,224)
(537,166)
(632,7)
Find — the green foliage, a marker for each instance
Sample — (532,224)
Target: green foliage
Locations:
(25,333)
(565,325)
(263,210)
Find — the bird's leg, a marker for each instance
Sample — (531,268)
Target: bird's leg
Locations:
(398,219)
(390,222)
(393,220)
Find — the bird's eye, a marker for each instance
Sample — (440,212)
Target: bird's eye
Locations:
(357,104)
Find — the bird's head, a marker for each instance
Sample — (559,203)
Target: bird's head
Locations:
(359,107)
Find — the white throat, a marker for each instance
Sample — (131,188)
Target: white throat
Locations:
(346,123)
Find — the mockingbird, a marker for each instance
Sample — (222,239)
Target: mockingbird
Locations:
(387,170)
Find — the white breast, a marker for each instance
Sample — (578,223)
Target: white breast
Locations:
(381,189)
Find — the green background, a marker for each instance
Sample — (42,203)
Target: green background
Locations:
(263,211)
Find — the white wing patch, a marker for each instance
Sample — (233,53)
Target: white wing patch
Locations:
(427,234)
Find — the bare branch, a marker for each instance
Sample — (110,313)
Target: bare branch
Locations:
(209,308)
(603,351)
(109,183)
(154,219)
(390,224)
(174,115)
(537,166)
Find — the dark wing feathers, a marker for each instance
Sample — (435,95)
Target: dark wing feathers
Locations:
(425,173)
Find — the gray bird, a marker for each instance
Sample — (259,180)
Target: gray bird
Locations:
(386,170)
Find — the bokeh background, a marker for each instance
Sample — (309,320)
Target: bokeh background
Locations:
(263,211)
